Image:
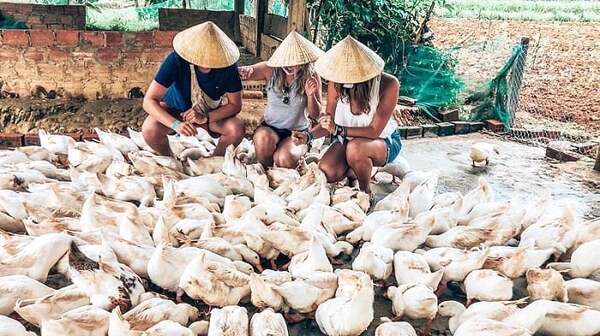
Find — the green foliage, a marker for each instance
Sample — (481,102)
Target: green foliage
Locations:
(526,10)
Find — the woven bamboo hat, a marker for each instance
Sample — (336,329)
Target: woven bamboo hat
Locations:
(349,62)
(206,45)
(294,50)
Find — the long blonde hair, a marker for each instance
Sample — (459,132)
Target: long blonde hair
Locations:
(304,73)
(360,93)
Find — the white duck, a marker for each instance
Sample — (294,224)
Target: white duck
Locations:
(86,320)
(55,144)
(445,217)
(482,152)
(235,206)
(10,327)
(122,143)
(515,261)
(487,327)
(128,188)
(268,323)
(374,260)
(584,261)
(19,287)
(170,328)
(404,236)
(585,292)
(457,263)
(396,200)
(48,169)
(150,312)
(37,257)
(389,328)
(12,211)
(304,295)
(349,314)
(488,285)
(53,305)
(567,319)
(311,260)
(138,139)
(586,232)
(374,220)
(421,198)
(483,193)
(546,284)
(35,153)
(262,293)
(558,233)
(415,302)
(412,268)
(204,165)
(136,256)
(230,320)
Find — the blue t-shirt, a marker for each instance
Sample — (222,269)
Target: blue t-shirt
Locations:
(174,74)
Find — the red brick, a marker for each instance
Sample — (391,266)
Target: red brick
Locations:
(114,39)
(41,38)
(8,140)
(164,38)
(67,37)
(67,20)
(90,136)
(75,135)
(34,54)
(9,53)
(24,8)
(144,39)
(18,38)
(31,140)
(96,39)
(494,125)
(57,54)
(108,54)
(157,55)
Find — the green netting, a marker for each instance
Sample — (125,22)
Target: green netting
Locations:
(428,77)
(490,101)
(9,23)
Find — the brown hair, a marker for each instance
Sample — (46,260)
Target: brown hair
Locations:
(360,93)
(304,73)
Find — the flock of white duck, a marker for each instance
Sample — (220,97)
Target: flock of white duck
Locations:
(116,218)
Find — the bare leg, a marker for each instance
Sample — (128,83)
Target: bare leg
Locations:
(287,154)
(265,143)
(333,163)
(361,155)
(155,135)
(231,131)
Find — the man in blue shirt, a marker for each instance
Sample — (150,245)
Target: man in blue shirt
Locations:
(198,85)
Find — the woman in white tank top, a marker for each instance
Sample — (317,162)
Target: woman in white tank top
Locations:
(360,105)
(293,94)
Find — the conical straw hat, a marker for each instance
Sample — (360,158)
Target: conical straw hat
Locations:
(294,50)
(206,45)
(349,62)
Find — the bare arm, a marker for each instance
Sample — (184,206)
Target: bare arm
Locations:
(332,99)
(151,104)
(387,102)
(313,90)
(232,108)
(256,72)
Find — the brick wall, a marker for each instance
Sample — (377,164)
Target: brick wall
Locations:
(175,19)
(269,44)
(45,16)
(248,32)
(276,25)
(92,64)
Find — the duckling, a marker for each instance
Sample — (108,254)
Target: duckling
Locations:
(122,143)
(457,263)
(412,268)
(215,283)
(262,293)
(515,261)
(398,199)
(414,301)
(374,260)
(313,259)
(546,284)
(305,294)
(268,323)
(37,257)
(482,152)
(55,144)
(483,193)
(584,291)
(235,206)
(558,233)
(421,198)
(53,305)
(583,261)
(138,139)
(488,285)
(19,287)
(567,319)
(10,327)
(150,312)
(230,320)
(374,220)
(404,236)
(108,283)
(486,327)
(348,314)
(86,320)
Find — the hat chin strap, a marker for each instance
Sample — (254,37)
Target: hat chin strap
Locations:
(289,73)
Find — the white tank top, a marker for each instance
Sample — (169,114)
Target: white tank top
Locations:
(344,116)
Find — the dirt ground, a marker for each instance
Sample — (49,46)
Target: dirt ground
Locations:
(562,71)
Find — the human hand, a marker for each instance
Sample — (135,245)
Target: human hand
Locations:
(299,138)
(245,72)
(311,87)
(194,117)
(327,124)
(186,128)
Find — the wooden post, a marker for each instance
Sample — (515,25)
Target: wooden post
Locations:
(297,16)
(515,81)
(597,166)
(238,8)
(261,13)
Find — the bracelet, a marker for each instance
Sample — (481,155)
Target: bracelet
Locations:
(175,124)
